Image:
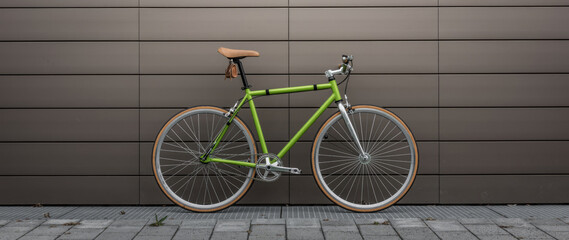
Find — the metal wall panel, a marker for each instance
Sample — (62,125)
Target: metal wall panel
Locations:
(362,23)
(202,57)
(68,58)
(152,120)
(95,81)
(69,159)
(422,121)
(503,3)
(503,23)
(369,56)
(259,193)
(191,90)
(496,90)
(520,157)
(366,3)
(93,190)
(504,123)
(300,157)
(213,24)
(381,90)
(68,125)
(423,191)
(69,91)
(69,24)
(68,3)
(216,3)
(504,56)
(147,147)
(502,189)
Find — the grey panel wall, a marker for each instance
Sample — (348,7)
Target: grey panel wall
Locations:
(86,85)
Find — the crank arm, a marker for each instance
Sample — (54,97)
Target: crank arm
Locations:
(280,169)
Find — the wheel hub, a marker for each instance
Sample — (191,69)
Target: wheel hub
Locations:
(364,158)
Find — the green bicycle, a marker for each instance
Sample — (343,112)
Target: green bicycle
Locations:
(364,158)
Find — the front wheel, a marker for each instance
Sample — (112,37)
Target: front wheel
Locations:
(371,181)
(184,179)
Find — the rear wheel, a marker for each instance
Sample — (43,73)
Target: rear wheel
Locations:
(184,179)
(371,181)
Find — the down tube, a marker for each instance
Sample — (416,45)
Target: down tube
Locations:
(307,125)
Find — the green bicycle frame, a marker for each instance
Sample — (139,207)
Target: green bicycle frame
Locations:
(249,98)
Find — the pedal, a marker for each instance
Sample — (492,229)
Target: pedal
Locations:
(285,169)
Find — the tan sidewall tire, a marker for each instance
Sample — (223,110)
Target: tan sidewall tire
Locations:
(154,161)
(348,207)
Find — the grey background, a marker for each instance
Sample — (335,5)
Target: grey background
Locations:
(86,85)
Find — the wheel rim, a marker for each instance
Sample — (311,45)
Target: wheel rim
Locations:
(195,185)
(374,180)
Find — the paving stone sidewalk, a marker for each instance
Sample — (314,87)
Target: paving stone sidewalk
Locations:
(359,226)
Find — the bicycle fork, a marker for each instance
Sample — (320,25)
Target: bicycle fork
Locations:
(352,130)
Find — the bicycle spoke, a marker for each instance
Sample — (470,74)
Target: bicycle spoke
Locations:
(371,180)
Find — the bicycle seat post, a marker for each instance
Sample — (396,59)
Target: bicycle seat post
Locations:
(242,73)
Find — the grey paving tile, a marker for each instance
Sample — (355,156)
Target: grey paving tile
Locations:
(368,221)
(158,231)
(531,211)
(565,220)
(61,221)
(123,225)
(229,235)
(10,235)
(129,222)
(560,235)
(146,237)
(486,230)
(304,234)
(193,233)
(338,225)
(268,221)
(268,230)
(198,224)
(36,238)
(550,225)
(377,230)
(224,225)
(94,223)
(24,223)
(266,237)
(496,237)
(342,235)
(4,222)
(407,223)
(456,236)
(545,221)
(48,230)
(302,223)
(445,225)
(371,237)
(525,233)
(554,228)
(423,233)
(512,222)
(116,236)
(484,221)
(81,233)
(9,230)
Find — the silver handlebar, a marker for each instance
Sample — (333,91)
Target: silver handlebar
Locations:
(343,69)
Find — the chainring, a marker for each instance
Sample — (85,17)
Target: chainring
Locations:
(264,174)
